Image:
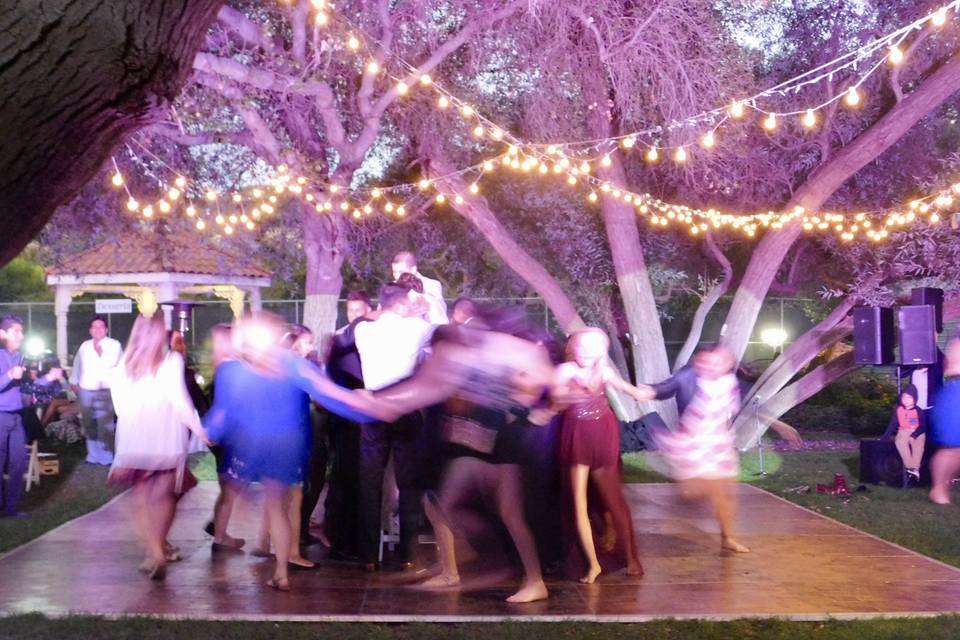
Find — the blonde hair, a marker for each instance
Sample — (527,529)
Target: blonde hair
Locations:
(147,346)
(577,337)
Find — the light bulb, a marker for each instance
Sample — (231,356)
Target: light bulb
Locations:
(353,43)
(474,188)
(441,198)
(592,197)
(250,226)
(809,119)
(388,207)
(708,140)
(496,134)
(132,204)
(237,198)
(466,110)
(571,180)
(423,184)
(896,55)
(211,195)
(191,211)
(322,19)
(117,180)
(426,80)
(653,155)
(401,211)
(201,225)
(606,162)
(478,131)
(736,109)
(770,122)
(181,182)
(853,97)
(629,142)
(375,194)
(356,214)
(443,103)
(173,194)
(585,167)
(373,67)
(680,155)
(164,206)
(940,17)
(402,88)
(148,211)
(220,219)
(228,230)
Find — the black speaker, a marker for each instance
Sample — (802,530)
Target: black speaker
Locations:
(873,335)
(932,296)
(916,326)
(880,463)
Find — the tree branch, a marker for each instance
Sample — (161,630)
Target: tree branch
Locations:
(709,301)
(247,30)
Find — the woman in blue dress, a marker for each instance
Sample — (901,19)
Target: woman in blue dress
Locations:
(261,417)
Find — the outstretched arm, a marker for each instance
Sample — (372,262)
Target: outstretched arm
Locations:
(353,405)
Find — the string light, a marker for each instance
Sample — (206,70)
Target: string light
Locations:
(117,180)
(680,156)
(939,17)
(852,97)
(653,155)
(736,110)
(708,140)
(770,122)
(896,55)
(809,119)
(353,43)
(373,67)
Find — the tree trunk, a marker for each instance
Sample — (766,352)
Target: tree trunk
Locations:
(476,210)
(646,336)
(77,77)
(324,259)
(791,396)
(822,183)
(706,305)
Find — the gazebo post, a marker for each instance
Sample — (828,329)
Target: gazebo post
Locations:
(64,295)
(256,303)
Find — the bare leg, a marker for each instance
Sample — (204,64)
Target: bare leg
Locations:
(229,491)
(296,501)
(262,548)
(446,546)
(943,469)
(724,503)
(510,506)
(277,507)
(608,484)
(579,475)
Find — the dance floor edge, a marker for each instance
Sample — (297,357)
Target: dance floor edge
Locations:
(804,566)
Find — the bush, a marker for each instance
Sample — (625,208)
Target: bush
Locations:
(860,404)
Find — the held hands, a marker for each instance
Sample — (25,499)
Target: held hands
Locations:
(644,393)
(16,373)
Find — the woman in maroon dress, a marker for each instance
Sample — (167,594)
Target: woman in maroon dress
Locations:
(590,443)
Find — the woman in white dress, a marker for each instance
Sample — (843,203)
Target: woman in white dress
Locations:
(154,419)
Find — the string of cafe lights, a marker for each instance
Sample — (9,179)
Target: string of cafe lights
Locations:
(557,158)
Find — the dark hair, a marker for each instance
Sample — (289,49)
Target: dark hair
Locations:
(96,318)
(9,320)
(294,333)
(410,282)
(359,296)
(392,294)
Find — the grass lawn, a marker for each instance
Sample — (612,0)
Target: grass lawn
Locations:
(78,489)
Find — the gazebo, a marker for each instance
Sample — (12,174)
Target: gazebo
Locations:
(153,269)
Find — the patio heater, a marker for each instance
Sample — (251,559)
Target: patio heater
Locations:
(182,314)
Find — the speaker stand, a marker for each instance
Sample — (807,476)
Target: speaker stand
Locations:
(756,417)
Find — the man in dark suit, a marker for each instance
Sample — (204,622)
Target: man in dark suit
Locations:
(343,494)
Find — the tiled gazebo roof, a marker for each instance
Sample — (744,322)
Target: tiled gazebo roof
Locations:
(153,253)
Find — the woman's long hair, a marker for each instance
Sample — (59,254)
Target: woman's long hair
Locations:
(146,348)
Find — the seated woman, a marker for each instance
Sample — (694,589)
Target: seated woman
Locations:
(910,424)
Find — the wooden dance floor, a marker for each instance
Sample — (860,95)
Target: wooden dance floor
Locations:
(803,566)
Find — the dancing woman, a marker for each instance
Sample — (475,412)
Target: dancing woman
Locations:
(701,454)
(261,416)
(590,443)
(153,408)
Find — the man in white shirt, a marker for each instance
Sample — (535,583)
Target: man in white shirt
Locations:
(406,262)
(389,349)
(90,378)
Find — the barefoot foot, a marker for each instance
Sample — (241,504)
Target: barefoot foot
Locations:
(591,576)
(530,593)
(729,544)
(442,581)
(634,568)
